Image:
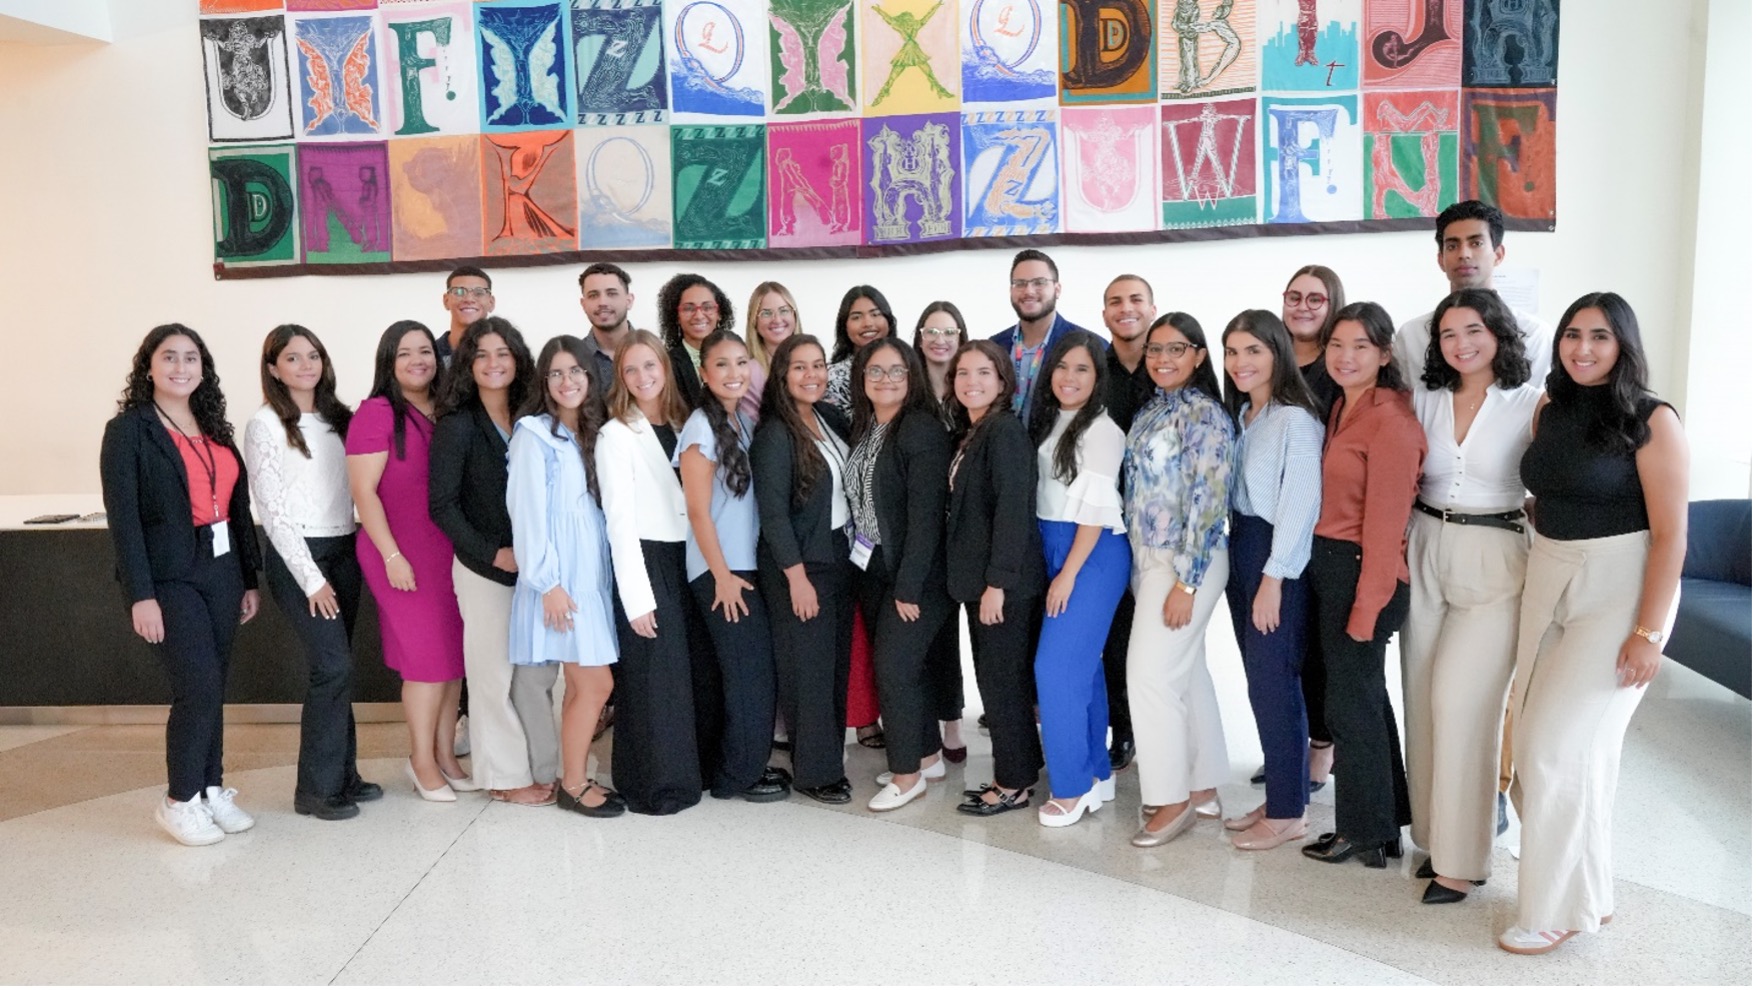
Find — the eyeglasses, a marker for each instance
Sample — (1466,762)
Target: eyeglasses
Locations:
(896,373)
(693,308)
(575,373)
(1174,349)
(470,291)
(769,314)
(1309,300)
(1032,283)
(940,332)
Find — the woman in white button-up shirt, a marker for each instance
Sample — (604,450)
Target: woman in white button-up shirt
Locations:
(1467,546)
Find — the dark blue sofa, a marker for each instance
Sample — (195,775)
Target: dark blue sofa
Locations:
(1712,632)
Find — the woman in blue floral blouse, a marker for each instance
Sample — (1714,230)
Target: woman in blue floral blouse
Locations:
(1178,472)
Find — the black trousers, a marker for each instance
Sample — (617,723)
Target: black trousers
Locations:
(1005,662)
(1116,671)
(327,745)
(900,653)
(745,652)
(1371,788)
(654,760)
(945,673)
(201,618)
(811,664)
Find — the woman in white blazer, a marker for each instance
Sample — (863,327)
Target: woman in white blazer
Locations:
(655,763)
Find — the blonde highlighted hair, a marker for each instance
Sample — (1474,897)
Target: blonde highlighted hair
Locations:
(753,334)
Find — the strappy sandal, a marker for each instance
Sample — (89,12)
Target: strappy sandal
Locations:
(1008,801)
(870,735)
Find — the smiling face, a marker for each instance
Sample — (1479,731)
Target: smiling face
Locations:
(415,363)
(299,366)
(886,381)
(1304,306)
(1128,309)
(939,338)
(1250,364)
(1034,290)
(725,371)
(493,367)
(1171,358)
(807,375)
(567,383)
(697,314)
(1353,360)
(643,374)
(1589,348)
(976,383)
(1073,379)
(1467,344)
(866,322)
(775,319)
(605,300)
(1467,255)
(468,299)
(175,369)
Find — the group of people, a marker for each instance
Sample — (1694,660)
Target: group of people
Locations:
(767,538)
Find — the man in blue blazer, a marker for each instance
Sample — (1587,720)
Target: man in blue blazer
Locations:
(1036,288)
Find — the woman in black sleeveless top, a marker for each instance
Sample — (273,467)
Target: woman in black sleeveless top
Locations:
(1609,469)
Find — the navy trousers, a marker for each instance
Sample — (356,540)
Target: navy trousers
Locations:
(1272,665)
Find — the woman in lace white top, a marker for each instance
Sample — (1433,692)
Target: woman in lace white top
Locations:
(1079,513)
(293,451)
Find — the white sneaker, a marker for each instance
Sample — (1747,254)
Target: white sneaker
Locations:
(230,818)
(934,771)
(189,822)
(460,739)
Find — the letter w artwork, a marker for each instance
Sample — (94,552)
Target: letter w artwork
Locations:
(524,69)
(339,63)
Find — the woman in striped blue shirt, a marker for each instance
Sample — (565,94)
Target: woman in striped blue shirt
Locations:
(1276,494)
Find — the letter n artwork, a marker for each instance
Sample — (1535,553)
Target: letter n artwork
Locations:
(1411,153)
(718,177)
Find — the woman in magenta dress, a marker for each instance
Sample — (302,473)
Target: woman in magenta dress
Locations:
(404,558)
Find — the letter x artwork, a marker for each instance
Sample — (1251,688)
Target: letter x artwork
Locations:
(909,54)
(912,188)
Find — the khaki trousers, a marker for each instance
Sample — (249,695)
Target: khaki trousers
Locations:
(1569,718)
(1457,656)
(513,741)
(1180,741)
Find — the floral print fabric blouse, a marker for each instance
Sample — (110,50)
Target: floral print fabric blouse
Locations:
(1178,475)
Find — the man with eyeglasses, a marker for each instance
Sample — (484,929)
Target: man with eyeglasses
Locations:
(1036,288)
(469,296)
(1470,236)
(604,296)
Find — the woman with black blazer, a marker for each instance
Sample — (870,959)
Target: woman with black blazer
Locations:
(690,308)
(178,505)
(514,749)
(897,478)
(994,565)
(798,459)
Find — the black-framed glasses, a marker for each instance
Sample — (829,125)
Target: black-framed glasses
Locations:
(469,291)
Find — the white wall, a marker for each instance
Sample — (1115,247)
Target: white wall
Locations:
(105,232)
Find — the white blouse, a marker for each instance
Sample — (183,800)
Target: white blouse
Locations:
(835,453)
(297,496)
(1093,499)
(1480,474)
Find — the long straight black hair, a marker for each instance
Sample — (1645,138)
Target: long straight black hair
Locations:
(335,413)
(1286,383)
(1202,379)
(1379,330)
(728,443)
(591,412)
(844,345)
(384,381)
(1044,409)
(778,407)
(1618,427)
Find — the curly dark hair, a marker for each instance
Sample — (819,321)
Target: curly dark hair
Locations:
(335,413)
(1044,407)
(1511,367)
(671,296)
(459,388)
(920,393)
(1379,330)
(778,407)
(591,412)
(1002,403)
(207,403)
(844,347)
(1286,384)
(1619,428)
(1203,377)
(728,442)
(384,381)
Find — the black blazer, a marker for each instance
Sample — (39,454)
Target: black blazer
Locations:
(146,497)
(991,519)
(909,483)
(792,535)
(687,378)
(466,489)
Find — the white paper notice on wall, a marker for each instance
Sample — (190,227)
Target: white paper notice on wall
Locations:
(1518,287)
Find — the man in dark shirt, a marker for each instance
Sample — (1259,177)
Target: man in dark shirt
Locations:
(1036,288)
(469,296)
(604,296)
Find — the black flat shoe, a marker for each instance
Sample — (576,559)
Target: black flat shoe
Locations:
(1438,893)
(613,805)
(976,792)
(358,790)
(1260,777)
(334,808)
(1334,848)
(1425,870)
(1008,802)
(1316,785)
(837,793)
(1121,754)
(774,785)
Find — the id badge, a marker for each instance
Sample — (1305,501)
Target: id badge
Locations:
(861,551)
(222,540)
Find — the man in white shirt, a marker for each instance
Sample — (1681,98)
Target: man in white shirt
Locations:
(1470,236)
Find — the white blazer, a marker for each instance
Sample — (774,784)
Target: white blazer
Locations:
(643,500)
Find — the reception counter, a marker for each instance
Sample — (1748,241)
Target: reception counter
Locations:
(66,641)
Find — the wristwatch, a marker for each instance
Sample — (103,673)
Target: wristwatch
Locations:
(1652,636)
(1189,589)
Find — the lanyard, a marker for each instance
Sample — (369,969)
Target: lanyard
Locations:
(204,455)
(1025,378)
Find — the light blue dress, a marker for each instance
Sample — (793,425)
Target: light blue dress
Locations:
(558,538)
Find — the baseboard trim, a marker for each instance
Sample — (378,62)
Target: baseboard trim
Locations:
(157,714)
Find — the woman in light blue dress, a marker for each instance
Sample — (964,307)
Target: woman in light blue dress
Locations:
(561,607)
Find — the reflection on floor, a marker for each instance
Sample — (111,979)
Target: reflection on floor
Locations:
(798,892)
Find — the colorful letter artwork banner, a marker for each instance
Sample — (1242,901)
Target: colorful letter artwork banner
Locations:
(370,136)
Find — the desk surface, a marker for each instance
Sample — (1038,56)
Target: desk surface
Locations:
(15,509)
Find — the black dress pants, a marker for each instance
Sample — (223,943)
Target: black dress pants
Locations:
(811,664)
(945,673)
(201,618)
(1371,788)
(745,652)
(654,761)
(1116,671)
(326,723)
(899,657)
(1005,662)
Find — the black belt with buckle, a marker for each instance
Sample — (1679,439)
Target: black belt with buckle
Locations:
(1512,520)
